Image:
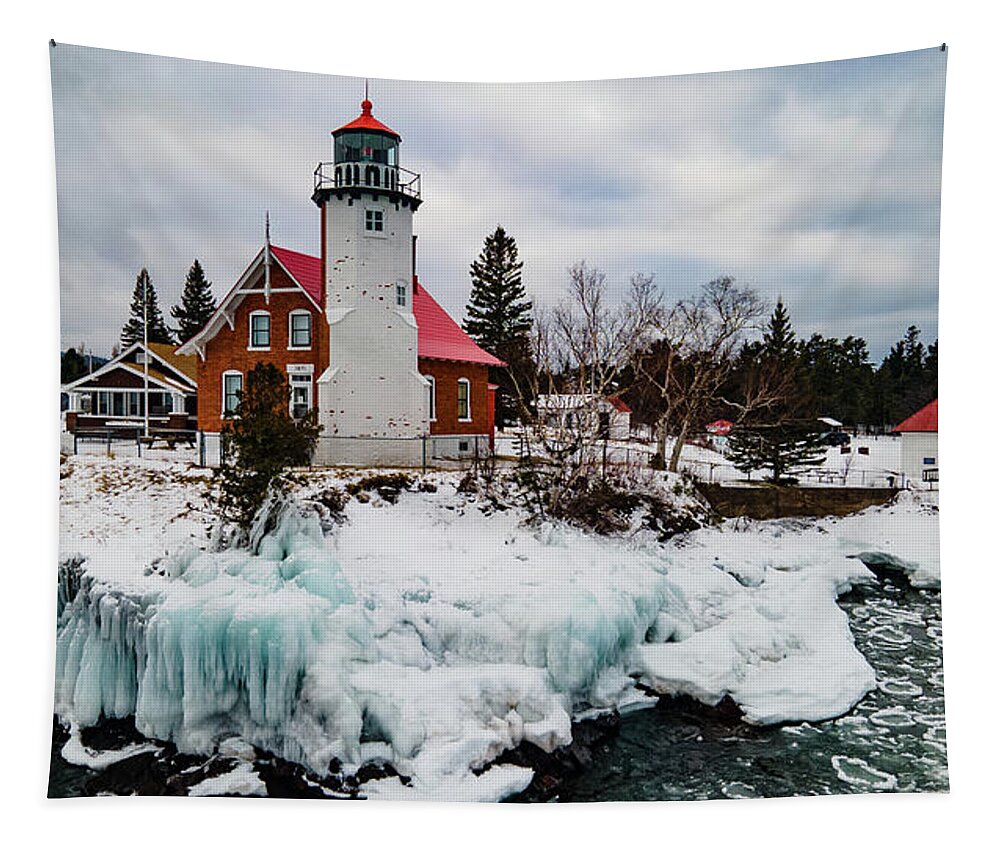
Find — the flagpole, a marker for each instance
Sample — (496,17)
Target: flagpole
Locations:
(145,355)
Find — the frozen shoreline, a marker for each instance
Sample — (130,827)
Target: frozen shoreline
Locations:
(434,636)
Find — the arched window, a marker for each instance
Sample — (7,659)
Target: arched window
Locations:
(299,329)
(232,390)
(431,398)
(338,177)
(464,400)
(357,174)
(260,330)
(371,175)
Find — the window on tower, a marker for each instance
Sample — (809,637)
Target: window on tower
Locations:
(374,221)
(401,295)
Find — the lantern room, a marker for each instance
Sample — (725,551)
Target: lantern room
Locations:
(366,156)
(366,152)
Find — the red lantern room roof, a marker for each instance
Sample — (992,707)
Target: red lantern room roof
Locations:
(367,121)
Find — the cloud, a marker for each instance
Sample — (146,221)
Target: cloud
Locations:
(817,182)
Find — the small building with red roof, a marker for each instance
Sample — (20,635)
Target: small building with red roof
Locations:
(361,340)
(609,415)
(918,433)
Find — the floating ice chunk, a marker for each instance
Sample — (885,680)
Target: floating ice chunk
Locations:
(857,772)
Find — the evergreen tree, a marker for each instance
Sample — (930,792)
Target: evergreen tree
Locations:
(782,449)
(499,316)
(779,339)
(72,366)
(158,331)
(261,443)
(197,304)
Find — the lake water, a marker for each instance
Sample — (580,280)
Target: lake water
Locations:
(894,740)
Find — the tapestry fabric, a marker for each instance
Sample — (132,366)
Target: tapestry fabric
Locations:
(621,483)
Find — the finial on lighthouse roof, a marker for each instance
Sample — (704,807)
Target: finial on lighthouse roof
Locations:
(366,121)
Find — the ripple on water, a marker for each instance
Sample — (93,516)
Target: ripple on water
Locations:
(857,772)
(891,635)
(900,688)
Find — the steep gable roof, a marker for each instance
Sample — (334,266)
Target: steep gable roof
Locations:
(439,337)
(185,364)
(923,420)
(305,270)
(305,277)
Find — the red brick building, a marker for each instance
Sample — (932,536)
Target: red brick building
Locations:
(460,398)
(361,341)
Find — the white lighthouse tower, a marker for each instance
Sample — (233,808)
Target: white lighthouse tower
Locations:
(371,396)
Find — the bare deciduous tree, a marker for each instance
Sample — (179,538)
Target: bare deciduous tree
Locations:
(580,348)
(693,357)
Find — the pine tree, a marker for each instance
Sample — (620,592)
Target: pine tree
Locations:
(498,310)
(784,440)
(782,449)
(499,316)
(261,443)
(779,339)
(72,366)
(197,304)
(158,331)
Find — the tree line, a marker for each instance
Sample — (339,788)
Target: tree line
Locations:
(716,354)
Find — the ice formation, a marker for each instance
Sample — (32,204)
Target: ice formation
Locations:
(434,636)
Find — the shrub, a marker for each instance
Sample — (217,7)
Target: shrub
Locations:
(261,443)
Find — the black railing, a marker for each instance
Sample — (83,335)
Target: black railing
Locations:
(325,177)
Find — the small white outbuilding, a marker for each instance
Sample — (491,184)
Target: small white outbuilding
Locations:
(919,449)
(610,415)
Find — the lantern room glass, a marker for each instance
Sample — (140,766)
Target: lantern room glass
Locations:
(366,147)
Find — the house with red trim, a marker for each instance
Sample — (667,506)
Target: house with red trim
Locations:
(919,445)
(361,340)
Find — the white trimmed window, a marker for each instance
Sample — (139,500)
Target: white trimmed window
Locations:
(232,388)
(299,329)
(431,398)
(401,295)
(464,401)
(260,330)
(374,220)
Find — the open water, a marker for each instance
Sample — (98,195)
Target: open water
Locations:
(894,740)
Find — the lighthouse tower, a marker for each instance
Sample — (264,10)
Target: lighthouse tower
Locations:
(371,388)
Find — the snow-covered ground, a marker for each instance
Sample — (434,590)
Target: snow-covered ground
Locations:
(870,461)
(435,633)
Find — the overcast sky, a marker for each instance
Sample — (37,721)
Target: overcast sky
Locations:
(819,183)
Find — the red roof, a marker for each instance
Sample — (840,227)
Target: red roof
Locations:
(719,427)
(923,420)
(366,121)
(438,335)
(307,270)
(619,405)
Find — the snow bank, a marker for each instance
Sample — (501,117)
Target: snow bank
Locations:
(432,634)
